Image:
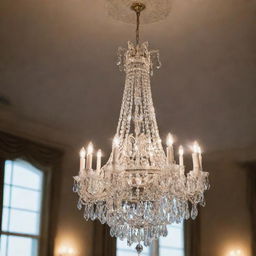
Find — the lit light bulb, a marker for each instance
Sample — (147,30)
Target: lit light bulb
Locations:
(169,139)
(181,150)
(196,147)
(82,152)
(90,148)
(71,251)
(99,153)
(66,251)
(235,253)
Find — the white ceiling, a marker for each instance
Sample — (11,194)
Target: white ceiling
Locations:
(57,67)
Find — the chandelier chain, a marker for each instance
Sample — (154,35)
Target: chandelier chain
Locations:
(138,28)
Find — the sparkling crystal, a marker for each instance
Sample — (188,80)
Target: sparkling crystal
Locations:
(139,248)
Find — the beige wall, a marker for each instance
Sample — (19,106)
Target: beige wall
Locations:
(225,221)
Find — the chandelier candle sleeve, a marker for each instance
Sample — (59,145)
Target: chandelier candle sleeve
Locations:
(169,149)
(82,159)
(200,157)
(181,152)
(99,154)
(195,157)
(89,156)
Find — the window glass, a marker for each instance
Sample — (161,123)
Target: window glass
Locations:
(16,245)
(23,222)
(23,186)
(26,175)
(26,199)
(172,245)
(124,250)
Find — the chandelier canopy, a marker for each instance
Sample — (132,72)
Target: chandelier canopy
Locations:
(141,188)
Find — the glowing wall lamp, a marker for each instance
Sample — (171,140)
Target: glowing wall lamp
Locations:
(67,251)
(235,253)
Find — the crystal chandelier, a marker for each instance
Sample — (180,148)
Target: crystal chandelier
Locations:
(141,189)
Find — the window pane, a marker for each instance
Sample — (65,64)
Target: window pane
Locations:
(3,245)
(24,222)
(6,195)
(7,172)
(171,252)
(5,219)
(174,238)
(25,199)
(22,198)
(26,175)
(21,246)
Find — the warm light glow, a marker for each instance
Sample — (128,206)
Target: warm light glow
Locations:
(196,147)
(169,139)
(82,152)
(66,251)
(235,253)
(90,148)
(99,153)
(116,141)
(181,150)
(199,150)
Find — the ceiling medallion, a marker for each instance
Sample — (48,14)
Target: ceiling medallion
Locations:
(141,188)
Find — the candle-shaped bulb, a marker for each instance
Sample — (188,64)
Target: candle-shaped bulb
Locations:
(200,157)
(169,149)
(90,148)
(99,154)
(89,156)
(82,159)
(82,152)
(181,150)
(169,139)
(195,147)
(195,157)
(181,153)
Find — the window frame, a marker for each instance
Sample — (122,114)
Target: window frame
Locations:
(49,160)
(44,213)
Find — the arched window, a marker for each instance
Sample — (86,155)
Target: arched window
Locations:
(21,209)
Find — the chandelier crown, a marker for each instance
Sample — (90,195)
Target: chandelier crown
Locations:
(138,57)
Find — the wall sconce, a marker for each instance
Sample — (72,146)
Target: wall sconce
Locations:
(67,251)
(235,253)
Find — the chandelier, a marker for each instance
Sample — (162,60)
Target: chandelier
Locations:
(141,189)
